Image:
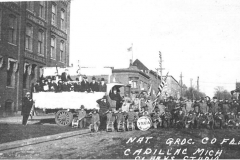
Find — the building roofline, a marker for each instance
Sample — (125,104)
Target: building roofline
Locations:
(173,79)
(130,70)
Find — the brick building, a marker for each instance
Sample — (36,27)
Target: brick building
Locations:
(33,34)
(172,87)
(141,78)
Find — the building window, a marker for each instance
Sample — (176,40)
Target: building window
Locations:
(54,14)
(42,9)
(41,42)
(9,108)
(62,25)
(30,5)
(0,22)
(53,48)
(134,84)
(11,70)
(62,49)
(26,75)
(12,29)
(29,37)
(10,75)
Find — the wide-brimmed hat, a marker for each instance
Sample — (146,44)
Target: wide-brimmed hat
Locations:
(28,93)
(82,107)
(102,79)
(93,78)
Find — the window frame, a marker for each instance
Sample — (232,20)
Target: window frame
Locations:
(41,10)
(134,86)
(29,37)
(62,20)
(30,6)
(0,23)
(41,42)
(10,76)
(54,14)
(53,48)
(62,51)
(13,29)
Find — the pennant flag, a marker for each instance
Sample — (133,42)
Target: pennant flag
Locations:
(129,49)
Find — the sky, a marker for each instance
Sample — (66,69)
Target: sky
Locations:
(196,37)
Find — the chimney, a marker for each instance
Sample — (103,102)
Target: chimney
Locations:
(130,63)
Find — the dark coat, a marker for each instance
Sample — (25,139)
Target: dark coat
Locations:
(37,88)
(103,106)
(85,86)
(171,106)
(94,87)
(65,77)
(117,98)
(59,87)
(102,88)
(77,87)
(52,84)
(65,88)
(26,105)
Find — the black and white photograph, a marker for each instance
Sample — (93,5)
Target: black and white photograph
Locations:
(120,79)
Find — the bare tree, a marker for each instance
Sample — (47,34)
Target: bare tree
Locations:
(221,93)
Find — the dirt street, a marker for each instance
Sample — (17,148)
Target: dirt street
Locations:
(113,145)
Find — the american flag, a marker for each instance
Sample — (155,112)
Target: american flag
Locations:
(160,88)
(162,84)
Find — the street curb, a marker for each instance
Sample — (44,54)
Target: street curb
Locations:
(26,142)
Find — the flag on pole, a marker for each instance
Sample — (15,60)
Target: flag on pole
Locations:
(79,68)
(129,49)
(162,84)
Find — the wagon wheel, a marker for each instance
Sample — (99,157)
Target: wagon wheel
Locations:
(63,118)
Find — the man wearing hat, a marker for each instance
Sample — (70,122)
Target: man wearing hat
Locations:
(110,119)
(131,117)
(102,86)
(95,120)
(94,85)
(116,96)
(82,117)
(214,106)
(203,106)
(59,86)
(85,85)
(65,76)
(27,104)
(104,107)
(37,87)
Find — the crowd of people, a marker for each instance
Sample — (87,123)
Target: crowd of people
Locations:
(50,84)
(169,112)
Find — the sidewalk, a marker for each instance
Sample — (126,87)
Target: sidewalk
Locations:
(18,119)
(32,141)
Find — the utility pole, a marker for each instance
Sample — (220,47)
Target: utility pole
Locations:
(159,70)
(191,82)
(198,84)
(181,83)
